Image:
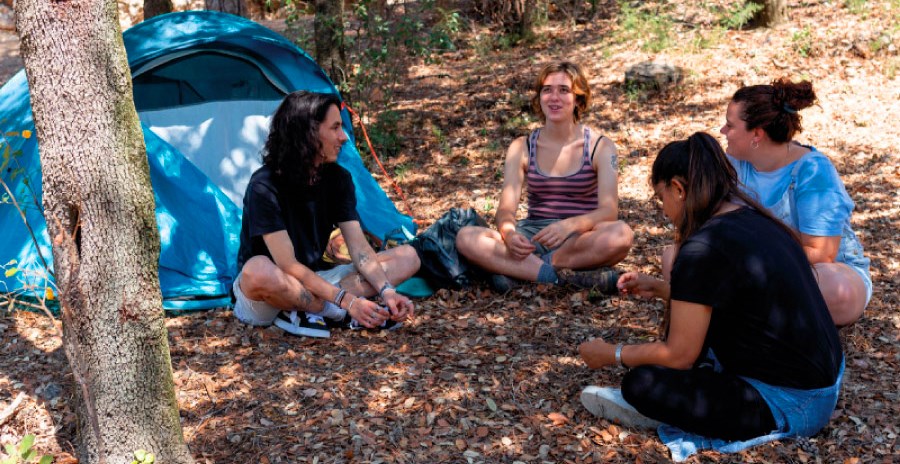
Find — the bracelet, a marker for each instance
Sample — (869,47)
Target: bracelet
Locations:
(339,297)
(351,303)
(619,355)
(385,287)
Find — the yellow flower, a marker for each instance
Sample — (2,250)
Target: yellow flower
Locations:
(26,134)
(48,293)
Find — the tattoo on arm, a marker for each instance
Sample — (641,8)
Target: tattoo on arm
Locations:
(305,299)
(363,258)
(614,163)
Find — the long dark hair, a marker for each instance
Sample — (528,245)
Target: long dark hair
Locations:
(709,180)
(293,143)
(775,107)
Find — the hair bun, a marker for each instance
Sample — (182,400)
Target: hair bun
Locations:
(793,96)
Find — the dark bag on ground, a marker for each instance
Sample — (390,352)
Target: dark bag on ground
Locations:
(441,265)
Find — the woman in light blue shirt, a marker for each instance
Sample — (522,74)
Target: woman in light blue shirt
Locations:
(799,185)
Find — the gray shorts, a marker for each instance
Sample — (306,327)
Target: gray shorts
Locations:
(530,227)
(255,312)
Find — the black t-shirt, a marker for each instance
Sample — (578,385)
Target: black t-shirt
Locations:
(308,214)
(769,319)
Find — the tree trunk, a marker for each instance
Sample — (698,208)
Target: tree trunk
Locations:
(329,31)
(99,209)
(235,7)
(774,12)
(157,7)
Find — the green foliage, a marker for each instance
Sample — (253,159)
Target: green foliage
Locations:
(143,457)
(739,14)
(23,198)
(400,170)
(443,143)
(24,453)
(891,68)
(857,7)
(649,24)
(381,40)
(383,135)
(802,42)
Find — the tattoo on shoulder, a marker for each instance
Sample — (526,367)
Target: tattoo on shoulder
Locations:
(614,162)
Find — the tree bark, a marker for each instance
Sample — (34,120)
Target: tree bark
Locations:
(157,7)
(329,31)
(99,209)
(774,12)
(235,7)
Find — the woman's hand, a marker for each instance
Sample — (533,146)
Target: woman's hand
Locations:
(367,312)
(554,235)
(597,353)
(642,286)
(518,245)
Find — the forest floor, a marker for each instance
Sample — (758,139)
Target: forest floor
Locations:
(484,377)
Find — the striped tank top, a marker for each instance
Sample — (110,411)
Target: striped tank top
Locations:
(560,197)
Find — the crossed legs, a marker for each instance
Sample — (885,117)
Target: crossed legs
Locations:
(604,245)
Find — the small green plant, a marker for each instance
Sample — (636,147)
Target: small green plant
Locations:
(143,457)
(739,14)
(891,68)
(803,42)
(400,171)
(24,453)
(442,141)
(857,7)
(383,134)
(652,28)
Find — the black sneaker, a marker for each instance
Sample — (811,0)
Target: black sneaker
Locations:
(302,324)
(602,279)
(389,325)
(502,284)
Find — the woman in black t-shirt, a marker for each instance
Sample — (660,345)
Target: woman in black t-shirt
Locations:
(749,347)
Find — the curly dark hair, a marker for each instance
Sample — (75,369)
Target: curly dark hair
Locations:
(293,143)
(775,107)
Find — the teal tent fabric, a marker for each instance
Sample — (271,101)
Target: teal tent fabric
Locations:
(181,62)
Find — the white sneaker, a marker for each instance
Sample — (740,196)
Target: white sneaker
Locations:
(607,403)
(303,324)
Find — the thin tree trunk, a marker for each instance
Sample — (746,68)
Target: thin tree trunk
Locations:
(235,7)
(329,31)
(774,12)
(99,209)
(157,7)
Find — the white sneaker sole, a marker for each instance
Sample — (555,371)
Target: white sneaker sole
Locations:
(301,331)
(608,404)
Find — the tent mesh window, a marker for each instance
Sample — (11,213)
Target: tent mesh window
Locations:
(202,77)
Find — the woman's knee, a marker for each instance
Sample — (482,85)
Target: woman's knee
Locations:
(468,237)
(843,290)
(407,257)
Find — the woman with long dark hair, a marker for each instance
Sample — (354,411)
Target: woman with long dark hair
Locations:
(749,351)
(800,186)
(291,206)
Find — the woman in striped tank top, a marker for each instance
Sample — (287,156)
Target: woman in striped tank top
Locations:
(571,233)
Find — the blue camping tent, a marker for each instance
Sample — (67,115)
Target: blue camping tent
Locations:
(205,85)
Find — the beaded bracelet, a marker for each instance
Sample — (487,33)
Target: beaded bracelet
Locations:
(351,303)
